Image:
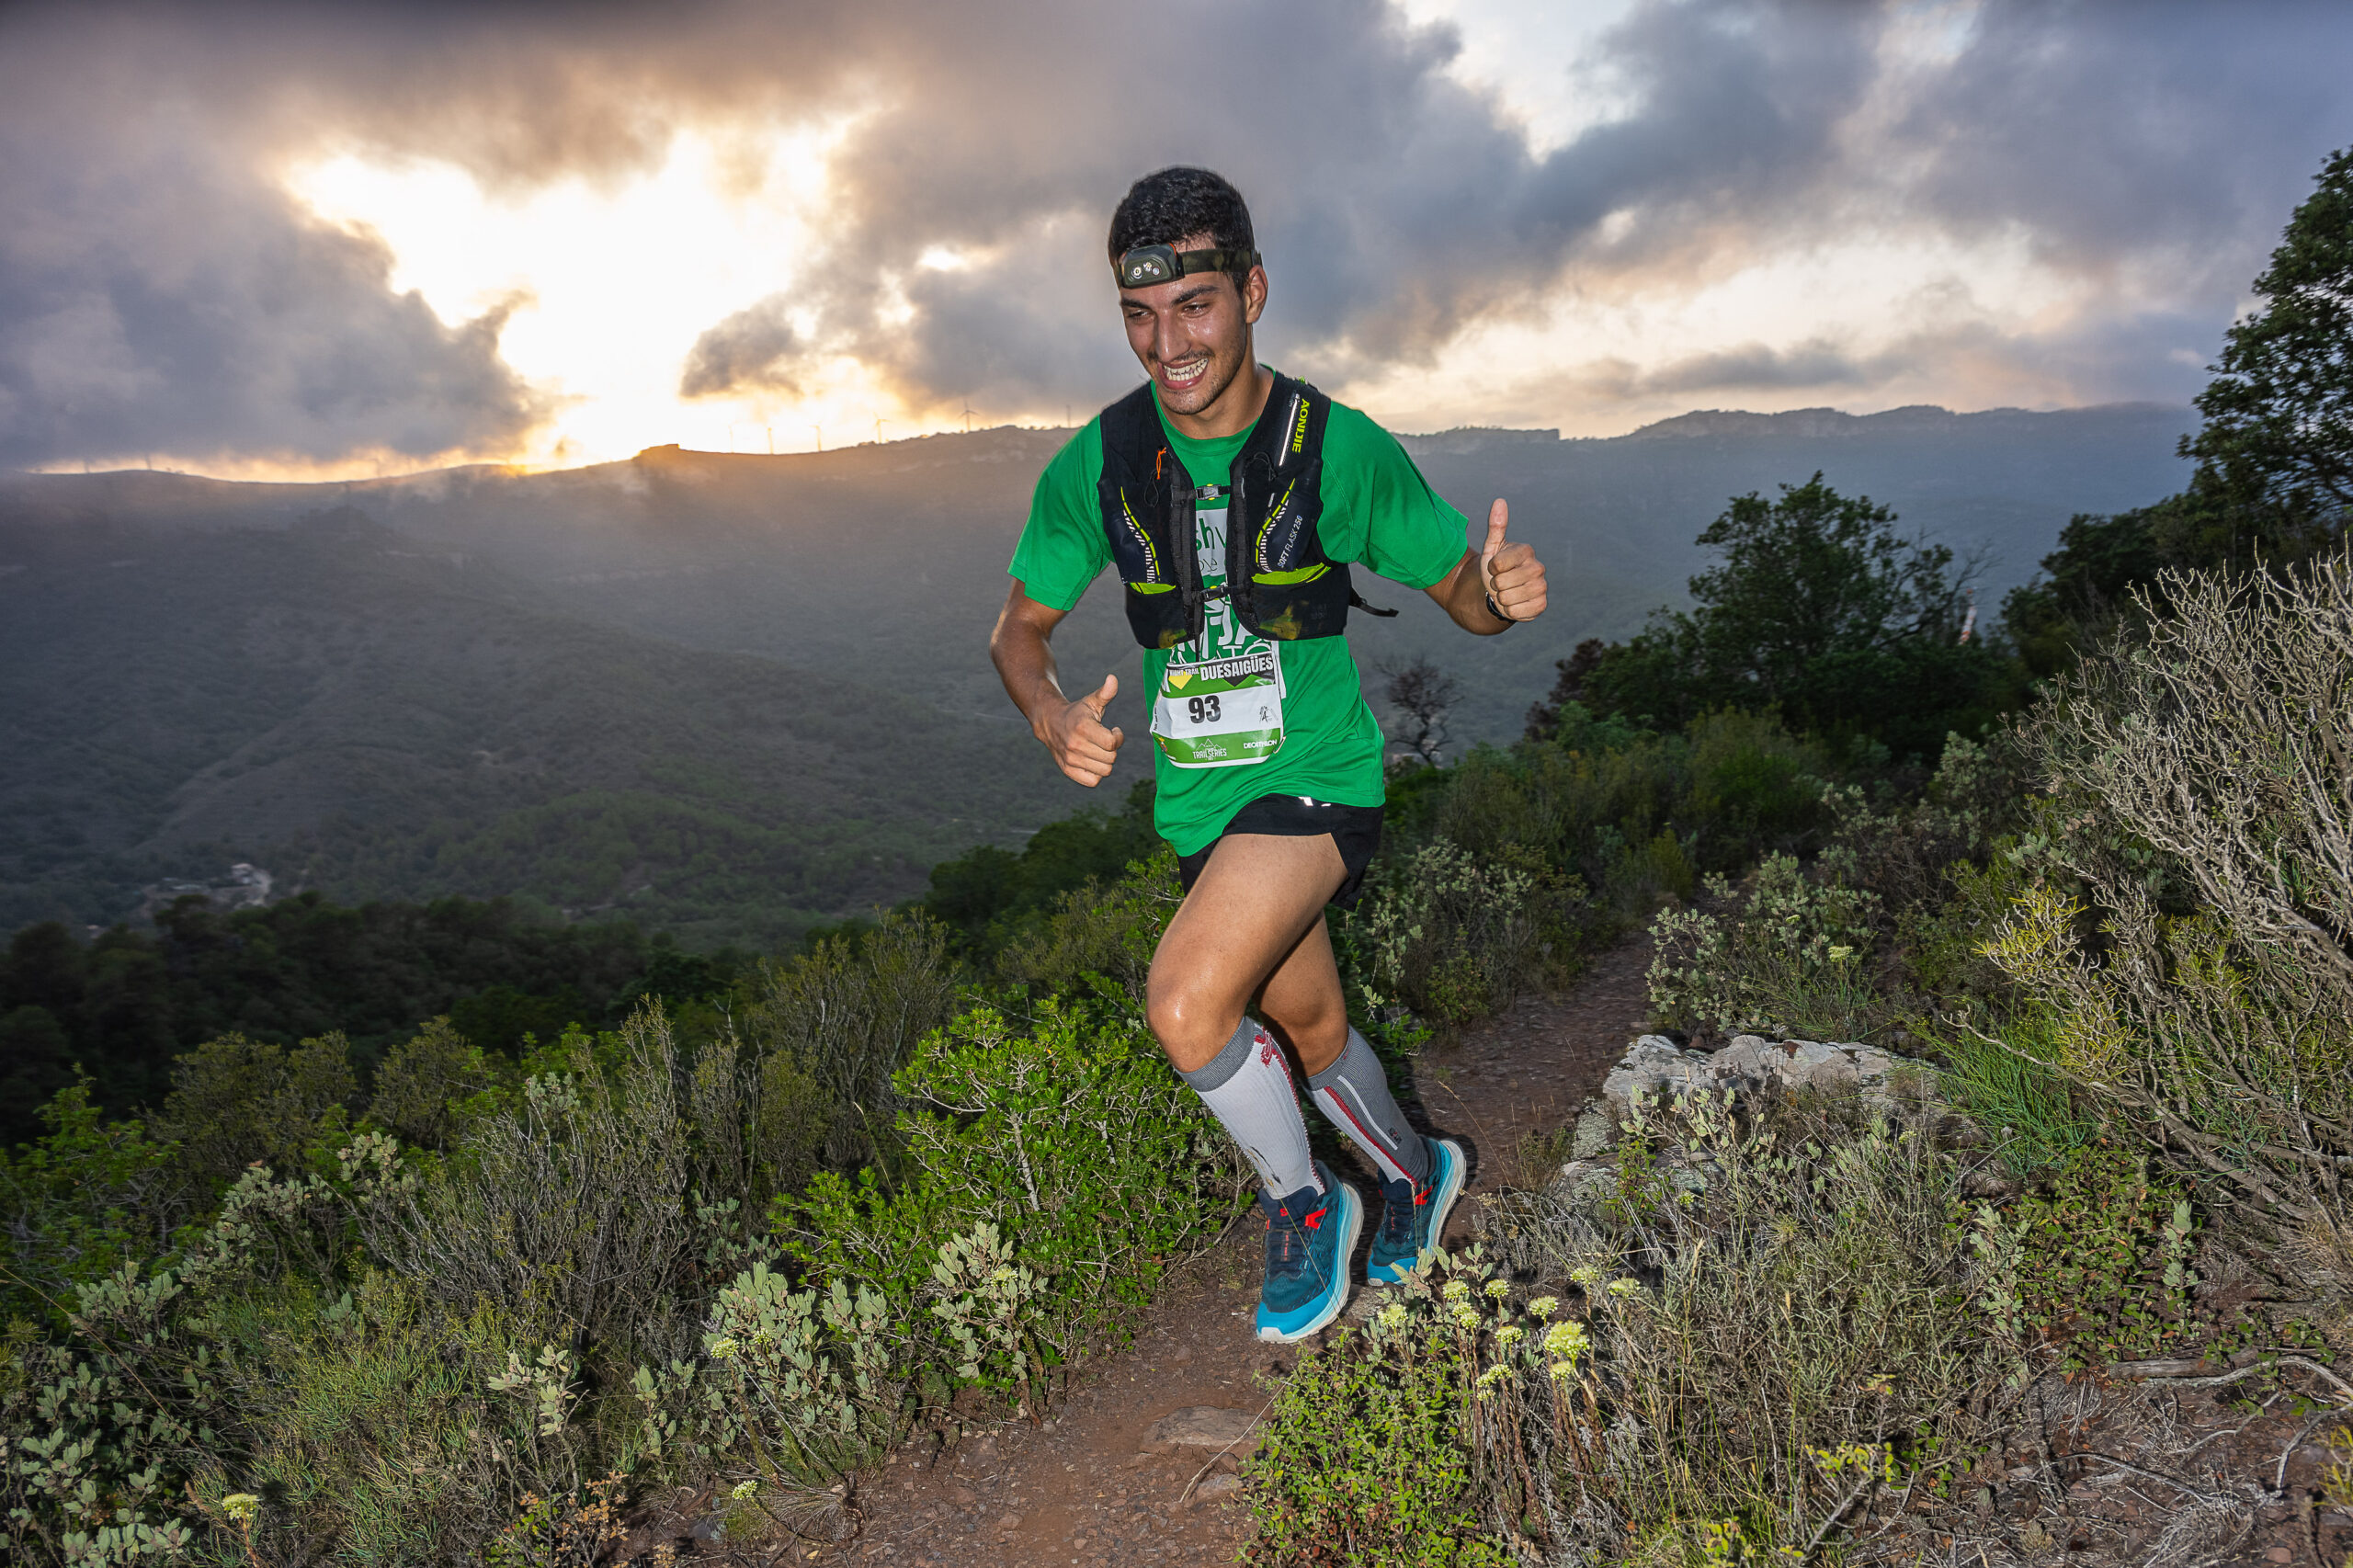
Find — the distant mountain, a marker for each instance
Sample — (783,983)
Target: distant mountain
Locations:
(705,687)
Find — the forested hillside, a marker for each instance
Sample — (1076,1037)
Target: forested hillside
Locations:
(369,721)
(730,696)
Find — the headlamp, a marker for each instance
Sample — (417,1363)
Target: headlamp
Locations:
(1147,265)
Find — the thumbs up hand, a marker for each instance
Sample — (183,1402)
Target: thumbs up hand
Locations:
(1083,746)
(1512,576)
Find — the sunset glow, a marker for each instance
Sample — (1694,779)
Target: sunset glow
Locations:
(348,247)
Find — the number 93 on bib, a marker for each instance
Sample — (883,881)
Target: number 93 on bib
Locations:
(1220,713)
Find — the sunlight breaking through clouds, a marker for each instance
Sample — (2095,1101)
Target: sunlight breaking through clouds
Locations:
(322,241)
(609,284)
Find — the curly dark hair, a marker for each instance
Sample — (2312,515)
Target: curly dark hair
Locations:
(1169,204)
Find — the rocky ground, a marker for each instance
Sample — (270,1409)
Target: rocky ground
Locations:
(2156,1466)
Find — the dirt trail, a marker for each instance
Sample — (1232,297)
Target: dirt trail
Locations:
(1085,1488)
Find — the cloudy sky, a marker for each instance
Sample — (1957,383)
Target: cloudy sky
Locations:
(308,239)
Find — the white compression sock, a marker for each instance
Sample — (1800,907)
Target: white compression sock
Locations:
(1248,1087)
(1353,1093)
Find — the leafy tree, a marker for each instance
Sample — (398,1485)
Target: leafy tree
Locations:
(2274,483)
(1816,608)
(2085,586)
(2278,437)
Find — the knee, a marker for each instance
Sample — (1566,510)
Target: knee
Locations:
(1192,1026)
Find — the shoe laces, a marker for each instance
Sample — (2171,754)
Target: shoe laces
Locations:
(1287,1242)
(1398,1215)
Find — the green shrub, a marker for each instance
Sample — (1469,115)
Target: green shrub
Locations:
(1070,1136)
(2031,1113)
(1453,936)
(421,1088)
(847,1014)
(234,1101)
(85,1199)
(1371,1454)
(1110,931)
(1778,1309)
(1755,785)
(380,1423)
(1795,961)
(802,1380)
(581,1206)
(100,1429)
(2096,1263)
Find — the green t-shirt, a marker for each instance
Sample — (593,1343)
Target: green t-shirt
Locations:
(1308,730)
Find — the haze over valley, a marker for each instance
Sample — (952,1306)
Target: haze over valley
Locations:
(734,696)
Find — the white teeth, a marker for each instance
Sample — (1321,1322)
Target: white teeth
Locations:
(1185,375)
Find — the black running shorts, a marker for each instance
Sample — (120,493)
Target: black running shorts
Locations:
(1354,830)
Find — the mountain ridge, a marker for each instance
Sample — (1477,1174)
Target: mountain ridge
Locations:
(189,667)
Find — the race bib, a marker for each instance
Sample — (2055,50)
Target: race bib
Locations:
(1220,713)
(1220,700)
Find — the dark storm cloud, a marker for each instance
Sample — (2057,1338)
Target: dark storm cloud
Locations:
(752,350)
(2160,132)
(156,290)
(160,294)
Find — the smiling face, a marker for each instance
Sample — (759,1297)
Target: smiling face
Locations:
(1193,338)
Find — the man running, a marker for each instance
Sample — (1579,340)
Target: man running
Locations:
(1232,501)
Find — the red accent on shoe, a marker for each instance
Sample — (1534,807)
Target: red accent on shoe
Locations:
(1423,1197)
(1314,1222)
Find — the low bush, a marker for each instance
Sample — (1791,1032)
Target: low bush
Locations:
(2183,951)
(847,1014)
(1795,958)
(1069,1139)
(1768,1319)
(1373,1454)
(1452,936)
(1107,930)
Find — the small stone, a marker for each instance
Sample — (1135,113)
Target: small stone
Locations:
(1218,1485)
(1184,1353)
(1010,1522)
(2278,1554)
(1202,1427)
(964,1496)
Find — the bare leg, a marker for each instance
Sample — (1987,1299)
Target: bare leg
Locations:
(1302,1003)
(1255,919)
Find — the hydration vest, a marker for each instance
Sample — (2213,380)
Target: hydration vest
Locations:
(1283,585)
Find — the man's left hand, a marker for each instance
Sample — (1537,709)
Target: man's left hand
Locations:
(1512,576)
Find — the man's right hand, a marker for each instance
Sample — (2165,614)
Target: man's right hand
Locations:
(1082,745)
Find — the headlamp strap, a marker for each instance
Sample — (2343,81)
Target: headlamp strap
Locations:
(1147,265)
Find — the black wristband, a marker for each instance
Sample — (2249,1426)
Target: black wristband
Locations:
(1498,610)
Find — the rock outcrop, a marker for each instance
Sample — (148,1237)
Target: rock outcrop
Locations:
(1656,1067)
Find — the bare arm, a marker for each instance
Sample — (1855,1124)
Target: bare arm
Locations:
(1509,572)
(1074,732)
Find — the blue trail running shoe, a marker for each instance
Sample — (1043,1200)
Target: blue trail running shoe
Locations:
(1309,1237)
(1411,1221)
